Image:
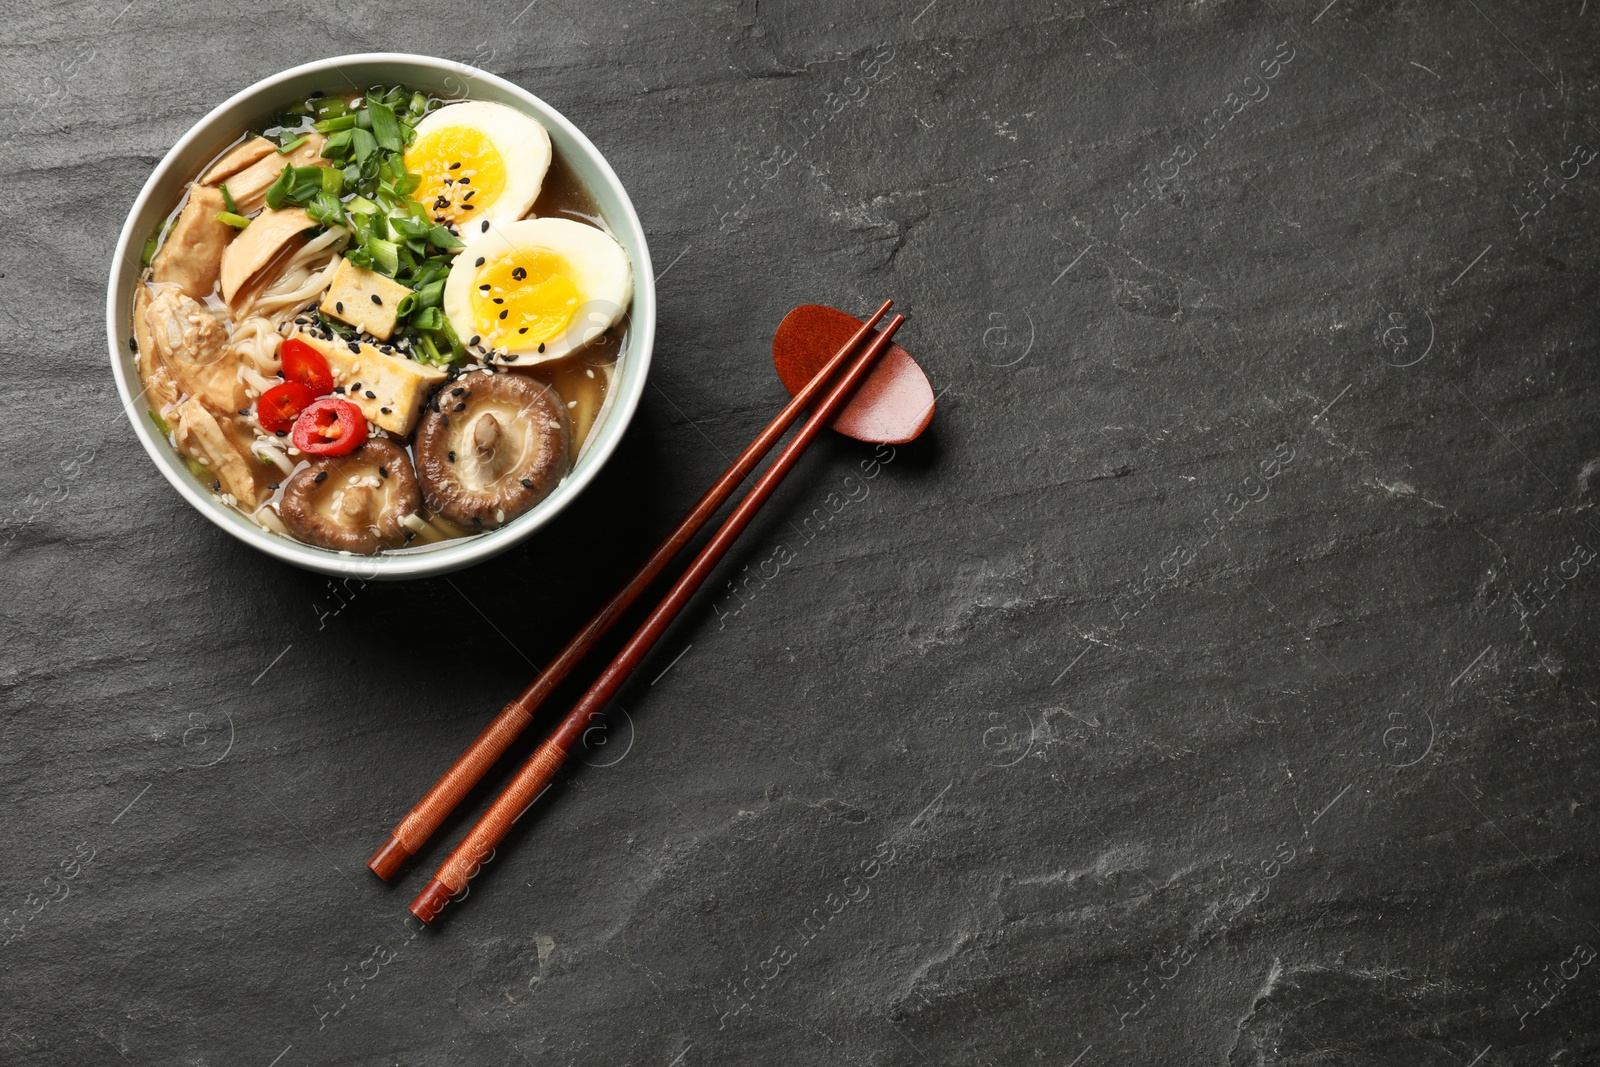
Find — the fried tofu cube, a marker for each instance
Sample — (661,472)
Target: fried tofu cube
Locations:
(389,390)
(364,298)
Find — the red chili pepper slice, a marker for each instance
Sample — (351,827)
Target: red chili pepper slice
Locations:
(282,404)
(304,364)
(330,427)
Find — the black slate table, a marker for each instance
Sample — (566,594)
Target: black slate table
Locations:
(1213,684)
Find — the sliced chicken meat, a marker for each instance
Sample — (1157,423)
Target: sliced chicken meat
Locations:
(191,256)
(190,343)
(273,232)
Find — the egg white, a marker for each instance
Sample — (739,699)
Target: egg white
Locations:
(523,144)
(600,269)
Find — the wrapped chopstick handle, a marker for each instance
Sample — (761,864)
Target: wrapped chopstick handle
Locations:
(477,848)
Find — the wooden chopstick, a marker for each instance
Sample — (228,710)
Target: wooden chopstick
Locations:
(419,824)
(464,863)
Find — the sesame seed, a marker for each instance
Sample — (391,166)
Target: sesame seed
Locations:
(321,477)
(541,346)
(527,483)
(452,457)
(445,419)
(522,329)
(466,181)
(455,166)
(338,305)
(504,313)
(511,357)
(376,299)
(384,411)
(370,395)
(485,225)
(519,273)
(480,258)
(282,433)
(484,288)
(499,300)
(461,407)
(353,347)
(474,340)
(457,391)
(466,206)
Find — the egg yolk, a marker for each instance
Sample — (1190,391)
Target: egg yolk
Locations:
(524,297)
(462,173)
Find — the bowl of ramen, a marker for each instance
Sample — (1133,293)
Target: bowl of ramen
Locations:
(381,315)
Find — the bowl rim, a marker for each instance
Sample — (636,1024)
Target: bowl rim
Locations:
(449,557)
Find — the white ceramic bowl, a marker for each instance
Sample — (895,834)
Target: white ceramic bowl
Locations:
(256,104)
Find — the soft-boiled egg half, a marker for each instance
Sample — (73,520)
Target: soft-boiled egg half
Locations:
(478,160)
(536,289)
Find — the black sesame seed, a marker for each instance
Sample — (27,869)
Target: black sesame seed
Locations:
(469,195)
(321,477)
(474,340)
(355,387)
(383,472)
(244,411)
(282,433)
(274,486)
(519,273)
(376,299)
(338,305)
(354,347)
(445,419)
(466,181)
(455,166)
(485,225)
(522,329)
(338,389)
(541,346)
(504,313)
(133,344)
(483,288)
(457,391)
(452,457)
(370,395)
(480,258)
(527,483)
(461,407)
(215,486)
(476,521)
(466,206)
(499,300)
(511,357)
(384,411)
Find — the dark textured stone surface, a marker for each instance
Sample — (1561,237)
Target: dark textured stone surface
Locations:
(1150,759)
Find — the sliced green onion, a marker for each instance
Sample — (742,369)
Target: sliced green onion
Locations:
(237,221)
(385,256)
(428,319)
(362,143)
(161,424)
(431,296)
(405,305)
(333,125)
(150,245)
(385,127)
(227,200)
(278,191)
(325,208)
(285,149)
(332,180)
(360,205)
(330,107)
(337,146)
(443,238)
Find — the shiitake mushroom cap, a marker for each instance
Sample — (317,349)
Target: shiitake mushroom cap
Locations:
(345,512)
(490,447)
